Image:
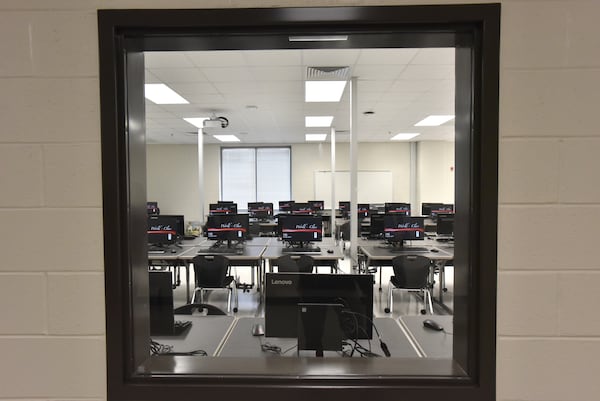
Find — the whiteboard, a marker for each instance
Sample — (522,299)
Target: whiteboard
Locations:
(373,186)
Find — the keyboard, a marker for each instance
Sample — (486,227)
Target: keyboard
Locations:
(409,249)
(312,249)
(222,250)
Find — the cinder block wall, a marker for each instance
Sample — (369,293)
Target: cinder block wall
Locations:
(51,279)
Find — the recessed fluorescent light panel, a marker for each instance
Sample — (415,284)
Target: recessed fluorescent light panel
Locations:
(434,121)
(324,91)
(318,38)
(403,136)
(162,94)
(315,137)
(318,121)
(227,138)
(196,121)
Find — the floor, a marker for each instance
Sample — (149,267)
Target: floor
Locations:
(405,304)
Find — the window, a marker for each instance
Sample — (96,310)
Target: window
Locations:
(255,174)
(472,30)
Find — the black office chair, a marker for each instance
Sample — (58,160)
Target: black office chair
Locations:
(411,274)
(189,309)
(210,272)
(295,263)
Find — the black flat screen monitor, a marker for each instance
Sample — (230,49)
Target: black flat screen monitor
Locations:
(364,210)
(317,205)
(445,224)
(397,228)
(230,227)
(344,207)
(286,206)
(216,209)
(320,327)
(284,291)
(152,208)
(445,208)
(260,210)
(165,229)
(296,228)
(162,318)
(376,228)
(426,207)
(397,208)
(302,208)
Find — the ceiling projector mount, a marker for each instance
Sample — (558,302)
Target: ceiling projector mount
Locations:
(216,122)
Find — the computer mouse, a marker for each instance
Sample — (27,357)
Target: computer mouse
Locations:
(432,324)
(173,251)
(330,251)
(258,330)
(434,250)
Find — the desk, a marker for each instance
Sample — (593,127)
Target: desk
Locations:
(241,343)
(323,258)
(207,333)
(375,253)
(431,343)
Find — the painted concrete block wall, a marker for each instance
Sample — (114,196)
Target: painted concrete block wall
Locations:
(548,327)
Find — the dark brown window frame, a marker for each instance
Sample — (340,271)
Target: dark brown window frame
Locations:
(123,36)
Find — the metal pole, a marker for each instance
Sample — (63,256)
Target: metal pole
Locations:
(353,173)
(332,221)
(201,173)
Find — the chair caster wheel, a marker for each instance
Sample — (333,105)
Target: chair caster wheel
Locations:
(235,310)
(387,310)
(423,311)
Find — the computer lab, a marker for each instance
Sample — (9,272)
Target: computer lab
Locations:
(300,203)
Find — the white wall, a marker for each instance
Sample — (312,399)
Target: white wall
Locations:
(548,326)
(173,180)
(435,171)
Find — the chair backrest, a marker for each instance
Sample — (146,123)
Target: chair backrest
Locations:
(210,271)
(189,309)
(411,271)
(295,263)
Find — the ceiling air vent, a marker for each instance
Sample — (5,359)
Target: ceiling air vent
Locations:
(327,73)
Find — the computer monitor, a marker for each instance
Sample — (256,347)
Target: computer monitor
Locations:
(222,208)
(320,327)
(376,228)
(364,209)
(426,207)
(160,291)
(165,229)
(152,208)
(286,206)
(301,229)
(302,208)
(444,208)
(397,228)
(229,227)
(260,210)
(445,224)
(344,207)
(284,291)
(317,205)
(223,201)
(397,208)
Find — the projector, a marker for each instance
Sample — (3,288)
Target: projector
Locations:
(215,122)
